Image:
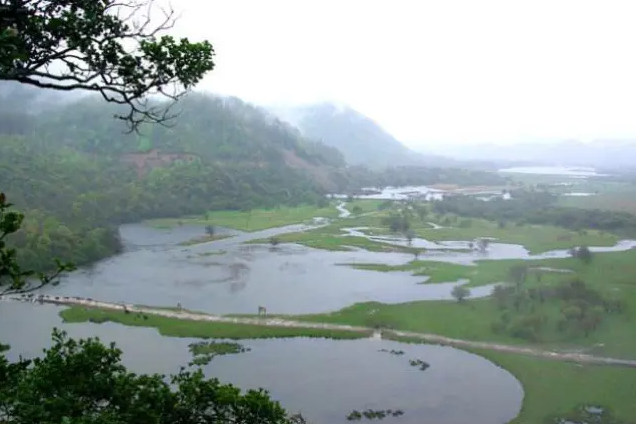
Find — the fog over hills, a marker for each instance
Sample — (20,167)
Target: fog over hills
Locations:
(599,153)
(361,139)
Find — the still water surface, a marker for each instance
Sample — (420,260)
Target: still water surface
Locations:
(227,276)
(323,379)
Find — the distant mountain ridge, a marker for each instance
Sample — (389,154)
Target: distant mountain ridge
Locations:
(361,140)
(603,154)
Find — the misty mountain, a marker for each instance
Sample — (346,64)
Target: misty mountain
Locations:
(603,154)
(362,140)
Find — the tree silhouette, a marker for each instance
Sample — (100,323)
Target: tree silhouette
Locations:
(103,46)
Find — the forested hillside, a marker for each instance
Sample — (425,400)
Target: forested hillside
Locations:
(71,169)
(77,174)
(217,129)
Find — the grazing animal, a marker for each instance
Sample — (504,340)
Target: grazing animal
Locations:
(262,311)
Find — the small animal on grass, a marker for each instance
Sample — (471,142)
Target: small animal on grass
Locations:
(262,311)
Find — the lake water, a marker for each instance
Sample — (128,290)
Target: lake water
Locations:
(554,170)
(291,279)
(323,379)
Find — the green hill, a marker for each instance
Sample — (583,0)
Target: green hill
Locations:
(77,174)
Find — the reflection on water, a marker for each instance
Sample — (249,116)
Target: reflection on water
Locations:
(323,379)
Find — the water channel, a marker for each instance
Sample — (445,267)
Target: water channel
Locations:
(323,379)
(226,276)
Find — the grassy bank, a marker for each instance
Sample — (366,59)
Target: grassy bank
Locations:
(254,220)
(481,273)
(535,238)
(557,388)
(198,329)
(552,388)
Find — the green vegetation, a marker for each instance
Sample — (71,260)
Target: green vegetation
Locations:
(394,218)
(85,381)
(204,352)
(539,207)
(99,53)
(591,309)
(371,414)
(329,241)
(616,196)
(70,169)
(199,329)
(253,220)
(216,348)
(363,206)
(593,306)
(480,273)
(556,388)
(535,238)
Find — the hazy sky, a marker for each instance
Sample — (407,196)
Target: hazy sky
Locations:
(433,71)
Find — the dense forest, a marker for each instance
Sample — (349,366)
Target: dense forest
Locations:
(538,207)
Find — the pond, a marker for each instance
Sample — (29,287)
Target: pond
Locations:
(323,379)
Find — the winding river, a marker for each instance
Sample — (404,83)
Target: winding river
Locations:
(325,379)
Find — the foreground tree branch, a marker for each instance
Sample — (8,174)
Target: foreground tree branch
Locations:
(13,279)
(103,46)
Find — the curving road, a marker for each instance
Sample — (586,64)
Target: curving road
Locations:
(277,322)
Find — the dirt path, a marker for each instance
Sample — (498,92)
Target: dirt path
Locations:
(579,358)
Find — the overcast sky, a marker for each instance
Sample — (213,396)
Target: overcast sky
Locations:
(435,71)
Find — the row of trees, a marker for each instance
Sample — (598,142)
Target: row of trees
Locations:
(582,309)
(536,207)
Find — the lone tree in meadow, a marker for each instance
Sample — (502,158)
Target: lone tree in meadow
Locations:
(583,253)
(114,48)
(460,293)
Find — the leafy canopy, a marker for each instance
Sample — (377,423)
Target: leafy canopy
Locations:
(12,278)
(84,382)
(110,47)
